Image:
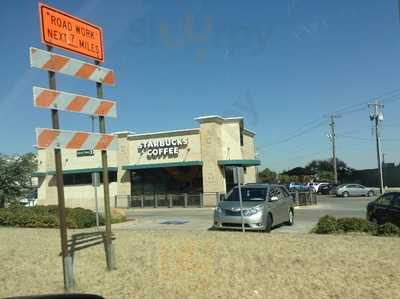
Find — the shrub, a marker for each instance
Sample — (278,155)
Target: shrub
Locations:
(326,225)
(388,229)
(118,218)
(47,216)
(354,225)
(26,217)
(80,218)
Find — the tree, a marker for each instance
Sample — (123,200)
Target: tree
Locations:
(15,176)
(285,179)
(267,176)
(324,169)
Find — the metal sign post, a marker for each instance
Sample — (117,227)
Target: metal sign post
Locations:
(239,179)
(102,128)
(67,260)
(96,183)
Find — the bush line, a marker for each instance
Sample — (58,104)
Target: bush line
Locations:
(330,225)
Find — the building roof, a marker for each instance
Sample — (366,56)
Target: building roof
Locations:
(165,133)
(218,118)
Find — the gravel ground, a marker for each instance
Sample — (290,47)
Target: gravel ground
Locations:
(207,264)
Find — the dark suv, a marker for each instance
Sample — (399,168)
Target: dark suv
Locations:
(385,208)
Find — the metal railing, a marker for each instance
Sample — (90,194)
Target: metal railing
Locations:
(304,198)
(159,200)
(185,200)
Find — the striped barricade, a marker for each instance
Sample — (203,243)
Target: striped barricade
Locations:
(54,99)
(68,66)
(50,138)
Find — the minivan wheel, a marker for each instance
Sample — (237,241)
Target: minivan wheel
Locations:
(370,193)
(345,194)
(291,218)
(268,223)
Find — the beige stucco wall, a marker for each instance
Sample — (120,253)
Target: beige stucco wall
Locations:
(248,153)
(123,176)
(78,195)
(211,148)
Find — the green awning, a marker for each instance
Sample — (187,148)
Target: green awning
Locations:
(38,174)
(162,165)
(83,170)
(251,162)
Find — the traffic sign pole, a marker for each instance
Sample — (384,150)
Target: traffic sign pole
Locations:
(66,258)
(238,175)
(109,246)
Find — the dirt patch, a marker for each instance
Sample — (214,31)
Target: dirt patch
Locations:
(178,264)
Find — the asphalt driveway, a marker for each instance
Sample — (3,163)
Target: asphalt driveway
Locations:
(201,219)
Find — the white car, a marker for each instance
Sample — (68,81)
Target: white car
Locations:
(317,185)
(30,200)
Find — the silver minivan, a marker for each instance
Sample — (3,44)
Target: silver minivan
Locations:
(264,206)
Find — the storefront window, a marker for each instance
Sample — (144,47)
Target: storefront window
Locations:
(229,178)
(72,179)
(171,180)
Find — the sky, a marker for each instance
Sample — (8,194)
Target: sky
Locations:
(284,65)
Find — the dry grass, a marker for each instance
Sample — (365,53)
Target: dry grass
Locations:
(177,264)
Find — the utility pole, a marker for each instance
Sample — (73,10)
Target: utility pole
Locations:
(376,116)
(332,137)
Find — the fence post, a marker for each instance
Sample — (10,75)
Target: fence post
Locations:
(142,201)
(155,201)
(296,197)
(115,201)
(185,198)
(201,200)
(170,200)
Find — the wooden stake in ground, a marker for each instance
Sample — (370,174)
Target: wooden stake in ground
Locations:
(66,258)
(109,248)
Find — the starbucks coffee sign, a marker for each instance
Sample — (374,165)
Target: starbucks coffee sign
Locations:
(163,148)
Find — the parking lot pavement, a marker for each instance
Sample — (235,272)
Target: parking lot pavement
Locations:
(307,217)
(201,219)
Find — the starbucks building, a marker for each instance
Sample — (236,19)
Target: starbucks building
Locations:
(170,168)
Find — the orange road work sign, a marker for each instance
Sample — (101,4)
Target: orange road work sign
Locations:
(70,33)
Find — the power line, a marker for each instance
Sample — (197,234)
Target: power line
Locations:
(297,134)
(387,97)
(366,139)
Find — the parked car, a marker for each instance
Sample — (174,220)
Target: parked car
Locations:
(30,200)
(264,206)
(318,185)
(354,190)
(385,208)
(327,189)
(299,187)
